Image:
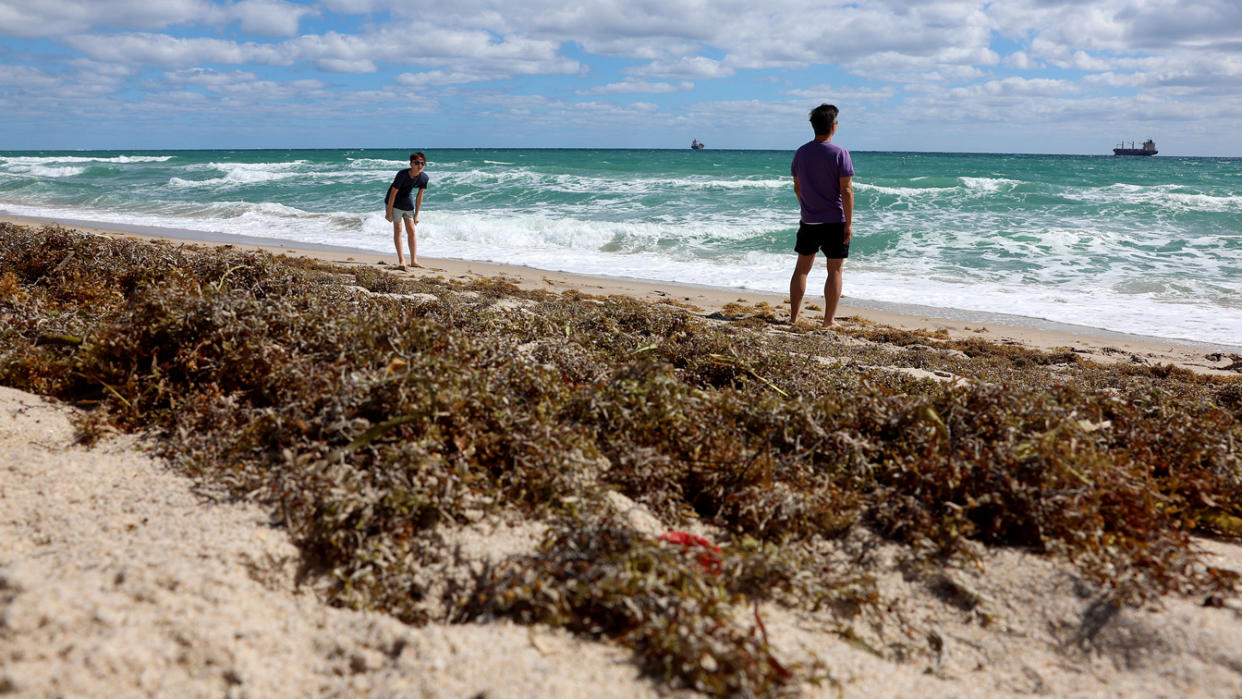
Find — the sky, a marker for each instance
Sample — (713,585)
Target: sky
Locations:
(1009,76)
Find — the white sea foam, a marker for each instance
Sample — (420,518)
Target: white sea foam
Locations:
(377,163)
(121,159)
(241,174)
(902,191)
(39,170)
(1166,195)
(579,184)
(250,173)
(989,185)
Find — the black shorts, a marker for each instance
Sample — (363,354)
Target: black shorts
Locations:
(829,237)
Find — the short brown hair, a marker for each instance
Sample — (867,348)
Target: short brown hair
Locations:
(418,156)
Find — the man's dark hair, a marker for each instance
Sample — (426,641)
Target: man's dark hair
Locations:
(418,156)
(822,119)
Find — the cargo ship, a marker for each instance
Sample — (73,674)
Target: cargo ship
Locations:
(1149,148)
(696,145)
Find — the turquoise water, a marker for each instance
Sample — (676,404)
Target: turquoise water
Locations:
(1151,246)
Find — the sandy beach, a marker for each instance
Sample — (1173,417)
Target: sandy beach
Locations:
(119,577)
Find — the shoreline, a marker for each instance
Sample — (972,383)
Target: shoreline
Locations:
(1096,344)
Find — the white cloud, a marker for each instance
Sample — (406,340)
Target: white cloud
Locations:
(626,87)
(345,65)
(692,67)
(268,17)
(1021,61)
(1122,25)
(830,94)
(34,18)
(351,7)
(204,77)
(28,77)
(1013,87)
(1111,79)
(462,50)
(164,50)
(897,67)
(435,78)
(244,85)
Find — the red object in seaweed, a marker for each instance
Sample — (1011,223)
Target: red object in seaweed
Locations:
(709,559)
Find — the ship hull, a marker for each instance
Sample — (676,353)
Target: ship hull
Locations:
(1133,151)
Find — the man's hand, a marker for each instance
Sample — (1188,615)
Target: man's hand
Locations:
(415,218)
(388,217)
(849,231)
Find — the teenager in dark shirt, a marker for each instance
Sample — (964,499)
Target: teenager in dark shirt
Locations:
(402,208)
(823,176)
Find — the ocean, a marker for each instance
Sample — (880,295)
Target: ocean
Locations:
(1143,246)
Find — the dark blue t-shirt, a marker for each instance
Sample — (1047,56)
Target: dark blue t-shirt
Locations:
(405,187)
(819,167)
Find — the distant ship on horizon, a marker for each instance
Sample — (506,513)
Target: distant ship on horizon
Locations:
(696,145)
(1149,148)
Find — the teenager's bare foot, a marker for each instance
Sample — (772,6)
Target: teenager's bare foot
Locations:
(415,264)
(832,325)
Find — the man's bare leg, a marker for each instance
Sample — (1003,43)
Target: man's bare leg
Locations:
(396,239)
(832,292)
(409,229)
(797,285)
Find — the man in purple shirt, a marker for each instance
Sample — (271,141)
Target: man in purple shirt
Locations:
(823,182)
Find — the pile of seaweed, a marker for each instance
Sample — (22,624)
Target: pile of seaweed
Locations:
(368,410)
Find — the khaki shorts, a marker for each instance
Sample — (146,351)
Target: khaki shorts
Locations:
(402,213)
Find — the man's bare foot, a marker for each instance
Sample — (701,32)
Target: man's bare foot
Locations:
(415,264)
(832,325)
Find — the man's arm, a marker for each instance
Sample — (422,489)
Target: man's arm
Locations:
(847,203)
(392,197)
(797,191)
(418,203)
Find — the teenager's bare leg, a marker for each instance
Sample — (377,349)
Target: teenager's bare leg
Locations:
(797,285)
(396,238)
(409,230)
(832,292)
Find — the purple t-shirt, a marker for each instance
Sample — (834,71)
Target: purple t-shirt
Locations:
(819,167)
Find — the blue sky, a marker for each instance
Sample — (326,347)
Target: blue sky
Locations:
(1030,76)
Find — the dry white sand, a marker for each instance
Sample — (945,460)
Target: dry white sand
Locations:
(116,579)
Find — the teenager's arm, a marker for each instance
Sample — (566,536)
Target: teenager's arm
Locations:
(847,203)
(418,204)
(797,191)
